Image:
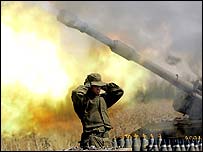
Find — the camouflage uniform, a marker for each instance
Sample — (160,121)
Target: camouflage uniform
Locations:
(92,110)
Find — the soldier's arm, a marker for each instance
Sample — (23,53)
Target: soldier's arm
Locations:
(78,96)
(113,94)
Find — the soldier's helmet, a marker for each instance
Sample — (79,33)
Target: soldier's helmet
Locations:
(95,79)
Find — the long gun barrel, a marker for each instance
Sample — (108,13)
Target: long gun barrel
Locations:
(126,51)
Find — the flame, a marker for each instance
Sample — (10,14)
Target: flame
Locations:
(38,72)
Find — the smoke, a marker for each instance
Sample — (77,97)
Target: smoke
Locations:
(43,60)
(33,82)
(172,60)
(156,29)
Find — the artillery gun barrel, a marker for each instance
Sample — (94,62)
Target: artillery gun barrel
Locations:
(125,51)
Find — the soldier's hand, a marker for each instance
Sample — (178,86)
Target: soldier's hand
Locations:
(112,85)
(104,87)
(108,86)
(87,84)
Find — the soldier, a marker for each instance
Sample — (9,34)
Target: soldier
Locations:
(91,107)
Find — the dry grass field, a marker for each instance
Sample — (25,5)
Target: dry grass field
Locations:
(124,119)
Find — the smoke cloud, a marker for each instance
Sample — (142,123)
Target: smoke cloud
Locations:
(156,29)
(43,60)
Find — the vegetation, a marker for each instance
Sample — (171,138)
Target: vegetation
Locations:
(124,118)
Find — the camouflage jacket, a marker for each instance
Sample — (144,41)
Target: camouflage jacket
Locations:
(92,110)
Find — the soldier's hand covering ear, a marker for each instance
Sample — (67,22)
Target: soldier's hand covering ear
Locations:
(112,85)
(87,83)
(109,86)
(104,87)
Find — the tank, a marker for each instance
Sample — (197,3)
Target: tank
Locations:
(188,101)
